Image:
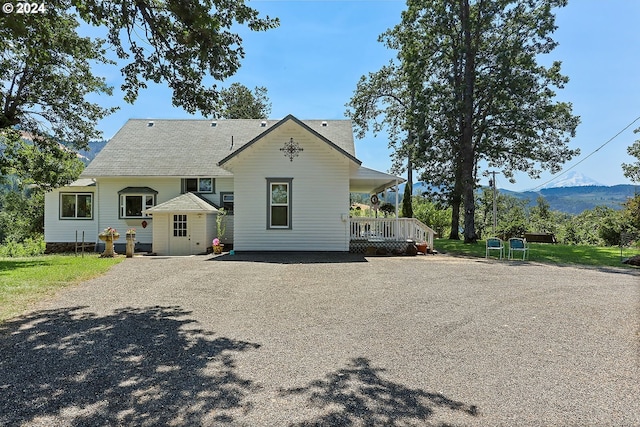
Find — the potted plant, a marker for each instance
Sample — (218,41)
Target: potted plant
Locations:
(217,246)
(422,247)
(108,236)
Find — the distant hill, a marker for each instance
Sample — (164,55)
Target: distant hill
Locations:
(574,200)
(574,179)
(94,148)
(569,199)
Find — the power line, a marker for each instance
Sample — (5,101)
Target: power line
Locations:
(590,154)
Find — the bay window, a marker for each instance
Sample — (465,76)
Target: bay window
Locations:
(135,200)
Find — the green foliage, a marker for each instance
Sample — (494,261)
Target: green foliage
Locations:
(512,216)
(632,170)
(407,203)
(387,209)
(480,94)
(45,77)
(601,226)
(432,215)
(239,103)
(21,215)
(47,80)
(27,248)
(632,211)
(382,101)
(546,253)
(513,221)
(221,225)
(182,43)
(41,162)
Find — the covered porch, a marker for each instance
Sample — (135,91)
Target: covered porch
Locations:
(391,234)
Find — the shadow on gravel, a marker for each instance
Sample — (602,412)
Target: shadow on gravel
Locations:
(138,367)
(293,257)
(358,395)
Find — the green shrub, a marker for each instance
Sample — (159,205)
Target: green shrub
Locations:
(28,248)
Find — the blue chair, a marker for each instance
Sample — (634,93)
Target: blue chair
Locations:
(494,244)
(518,245)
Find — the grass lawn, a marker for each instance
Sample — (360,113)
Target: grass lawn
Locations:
(546,253)
(24,281)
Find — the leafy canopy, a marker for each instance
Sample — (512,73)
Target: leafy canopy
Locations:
(47,79)
(632,170)
(481,95)
(238,102)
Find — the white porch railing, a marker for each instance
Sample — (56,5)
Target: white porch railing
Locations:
(394,229)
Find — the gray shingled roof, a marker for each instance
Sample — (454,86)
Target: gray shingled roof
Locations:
(188,202)
(192,147)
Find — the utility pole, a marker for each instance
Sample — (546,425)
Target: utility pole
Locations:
(492,184)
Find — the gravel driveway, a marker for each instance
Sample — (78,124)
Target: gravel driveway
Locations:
(326,339)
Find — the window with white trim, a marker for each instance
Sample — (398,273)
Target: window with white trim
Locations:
(134,205)
(198,185)
(279,203)
(76,205)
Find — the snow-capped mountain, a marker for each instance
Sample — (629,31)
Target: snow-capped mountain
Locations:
(573,179)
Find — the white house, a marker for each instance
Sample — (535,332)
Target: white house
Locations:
(285,184)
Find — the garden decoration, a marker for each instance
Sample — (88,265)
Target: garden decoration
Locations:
(108,236)
(131,239)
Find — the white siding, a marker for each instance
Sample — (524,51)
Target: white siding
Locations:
(109,209)
(64,230)
(319,199)
(106,209)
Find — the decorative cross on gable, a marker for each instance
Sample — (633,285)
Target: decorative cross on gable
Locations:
(291,149)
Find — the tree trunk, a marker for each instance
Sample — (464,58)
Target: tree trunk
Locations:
(455,217)
(467,151)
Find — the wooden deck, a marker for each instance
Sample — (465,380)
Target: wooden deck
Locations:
(392,234)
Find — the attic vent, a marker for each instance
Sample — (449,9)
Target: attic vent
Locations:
(263,124)
(214,124)
(324,124)
(150,124)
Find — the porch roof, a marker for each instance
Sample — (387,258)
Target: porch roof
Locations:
(365,180)
(187,202)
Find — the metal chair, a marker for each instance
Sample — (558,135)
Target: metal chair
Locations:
(518,245)
(494,244)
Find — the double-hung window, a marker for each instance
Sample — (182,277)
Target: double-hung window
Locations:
(279,203)
(135,201)
(198,185)
(76,205)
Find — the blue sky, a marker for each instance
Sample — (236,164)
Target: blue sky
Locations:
(312,62)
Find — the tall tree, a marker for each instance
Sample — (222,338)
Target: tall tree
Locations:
(381,102)
(484,96)
(45,66)
(238,102)
(632,170)
(407,203)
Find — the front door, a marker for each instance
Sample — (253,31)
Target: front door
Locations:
(179,235)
